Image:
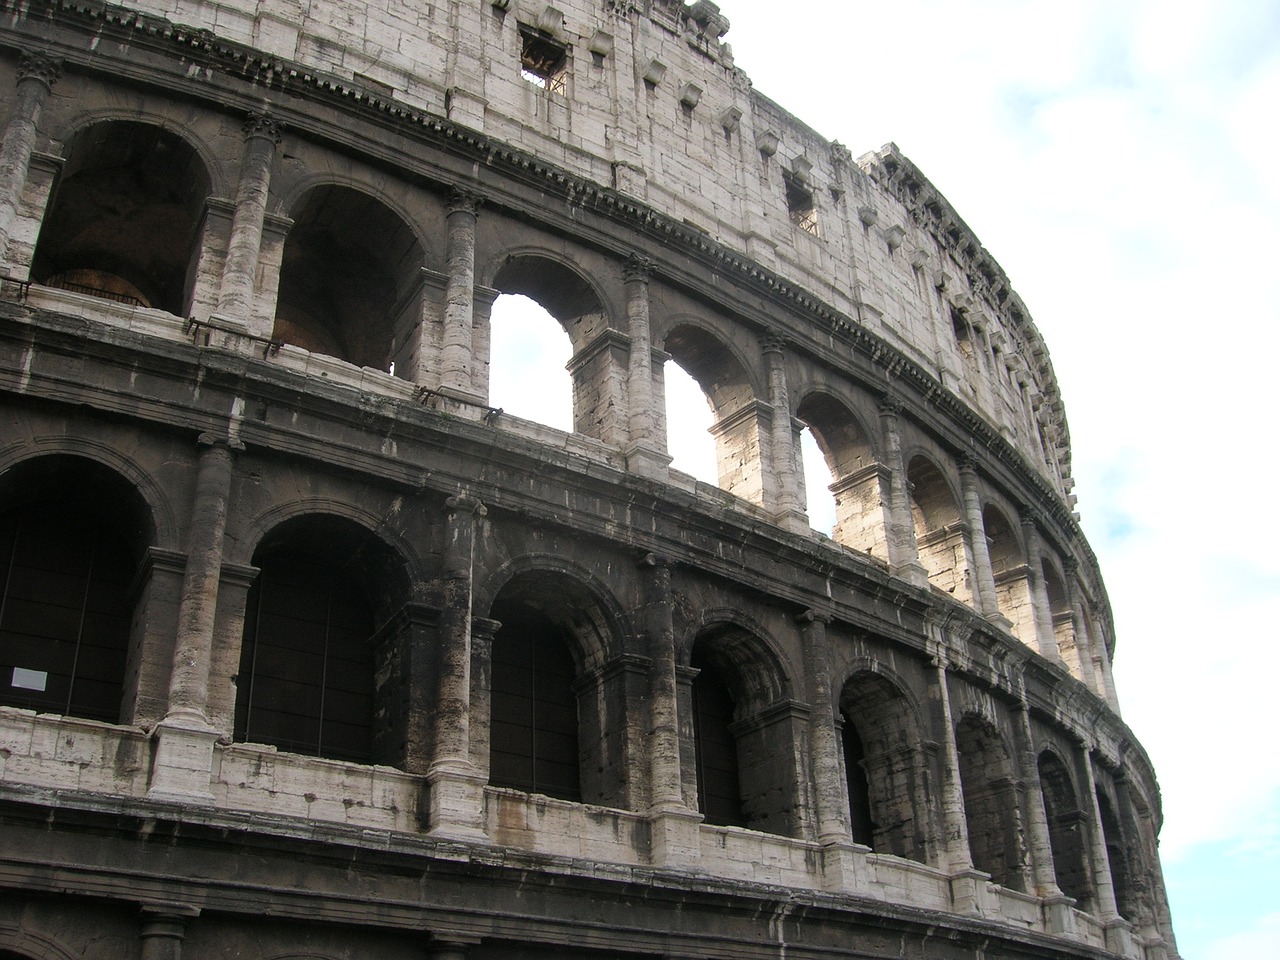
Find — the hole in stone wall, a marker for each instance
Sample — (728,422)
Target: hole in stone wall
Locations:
(543,61)
(819,502)
(527,376)
(800,204)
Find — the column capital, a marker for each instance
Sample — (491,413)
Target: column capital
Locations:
(890,404)
(814,616)
(1070,567)
(638,269)
(967,463)
(465,503)
(41,67)
(214,440)
(260,125)
(462,200)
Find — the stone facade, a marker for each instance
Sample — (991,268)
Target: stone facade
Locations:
(308,651)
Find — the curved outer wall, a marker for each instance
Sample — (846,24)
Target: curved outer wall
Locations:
(308,651)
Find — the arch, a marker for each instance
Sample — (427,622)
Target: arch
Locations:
(556,723)
(1119,858)
(308,680)
(857,484)
(1060,613)
(741,428)
(990,802)
(1010,572)
(884,766)
(598,363)
(746,736)
(350,277)
(73,535)
(26,944)
(125,219)
(1067,827)
(939,528)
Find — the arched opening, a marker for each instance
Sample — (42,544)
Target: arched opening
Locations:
(1118,859)
(940,530)
(533,734)
(884,767)
(124,221)
(716,749)
(689,418)
(746,738)
(990,803)
(852,488)
(740,424)
(1009,568)
(71,541)
(557,723)
(1066,828)
(350,281)
(1064,627)
(308,661)
(528,360)
(596,364)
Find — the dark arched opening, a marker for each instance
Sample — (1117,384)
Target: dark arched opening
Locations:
(70,546)
(350,281)
(716,748)
(533,733)
(1066,828)
(124,221)
(990,803)
(851,477)
(884,767)
(306,682)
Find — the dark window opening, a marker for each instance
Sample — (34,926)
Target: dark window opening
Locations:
(961,331)
(65,613)
(306,665)
(533,727)
(800,204)
(716,750)
(861,825)
(543,62)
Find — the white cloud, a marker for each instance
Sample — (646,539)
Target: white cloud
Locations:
(1260,942)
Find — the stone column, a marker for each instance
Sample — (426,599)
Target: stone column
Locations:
(1099,863)
(163,928)
(1107,682)
(37,74)
(235,295)
(1046,641)
(483,630)
(1080,627)
(184,752)
(455,788)
(646,451)
(1044,874)
(790,509)
(984,581)
(843,862)
(674,826)
(456,348)
(904,557)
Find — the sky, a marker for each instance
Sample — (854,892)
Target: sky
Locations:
(1119,160)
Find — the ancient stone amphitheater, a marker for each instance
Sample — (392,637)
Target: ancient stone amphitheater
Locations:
(307,650)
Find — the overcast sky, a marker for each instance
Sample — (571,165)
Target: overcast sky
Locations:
(1119,159)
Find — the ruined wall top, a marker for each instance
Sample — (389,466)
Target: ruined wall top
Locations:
(644,98)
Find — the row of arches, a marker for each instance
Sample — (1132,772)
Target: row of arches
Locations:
(341,272)
(320,672)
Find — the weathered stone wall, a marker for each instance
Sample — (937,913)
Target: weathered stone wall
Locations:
(409,174)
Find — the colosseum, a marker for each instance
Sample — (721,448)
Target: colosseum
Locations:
(309,651)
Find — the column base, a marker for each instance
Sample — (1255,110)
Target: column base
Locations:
(675,837)
(969,892)
(1120,939)
(844,867)
(453,800)
(794,520)
(912,571)
(1060,916)
(647,462)
(182,764)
